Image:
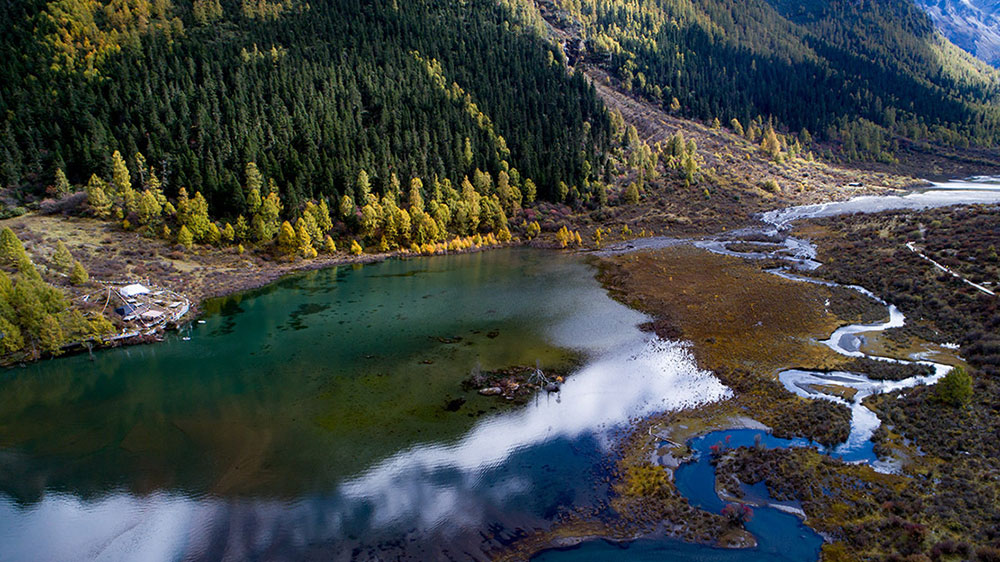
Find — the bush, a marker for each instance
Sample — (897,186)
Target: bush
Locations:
(955,388)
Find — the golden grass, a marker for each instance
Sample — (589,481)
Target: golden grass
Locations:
(736,315)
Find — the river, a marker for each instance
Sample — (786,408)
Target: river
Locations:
(323,417)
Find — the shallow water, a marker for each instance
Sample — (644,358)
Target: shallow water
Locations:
(323,417)
(985,189)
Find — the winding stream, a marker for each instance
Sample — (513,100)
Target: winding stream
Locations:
(782,536)
(323,417)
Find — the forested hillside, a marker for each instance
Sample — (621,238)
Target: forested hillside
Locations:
(864,74)
(313,93)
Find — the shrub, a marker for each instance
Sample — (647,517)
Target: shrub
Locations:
(955,388)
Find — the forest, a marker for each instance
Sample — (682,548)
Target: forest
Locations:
(863,75)
(313,94)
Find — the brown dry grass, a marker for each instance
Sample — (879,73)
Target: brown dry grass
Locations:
(112,254)
(737,316)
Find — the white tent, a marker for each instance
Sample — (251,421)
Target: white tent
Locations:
(134,289)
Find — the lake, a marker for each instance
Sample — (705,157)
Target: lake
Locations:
(323,416)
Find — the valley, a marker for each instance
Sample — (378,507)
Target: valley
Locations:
(519,280)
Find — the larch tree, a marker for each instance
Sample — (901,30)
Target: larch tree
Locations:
(197,217)
(303,240)
(97,197)
(79,275)
(62,258)
(11,249)
(416,198)
(121,179)
(149,208)
(286,239)
(530,191)
(184,237)
(364,186)
(228,234)
(62,187)
(265,223)
(632,193)
(771,145)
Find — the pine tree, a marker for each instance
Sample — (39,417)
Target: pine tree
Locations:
(356,248)
(329,246)
(228,234)
(79,275)
(62,259)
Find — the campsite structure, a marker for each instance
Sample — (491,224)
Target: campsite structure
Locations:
(144,309)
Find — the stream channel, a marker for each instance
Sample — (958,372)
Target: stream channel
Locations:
(322,417)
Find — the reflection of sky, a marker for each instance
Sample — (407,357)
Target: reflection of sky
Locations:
(642,378)
(537,455)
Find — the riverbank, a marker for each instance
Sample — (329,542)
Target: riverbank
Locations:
(886,518)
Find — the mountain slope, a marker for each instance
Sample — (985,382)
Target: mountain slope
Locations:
(858,73)
(313,93)
(973,25)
